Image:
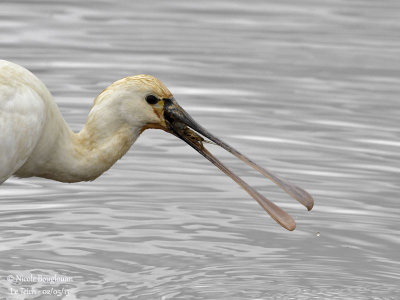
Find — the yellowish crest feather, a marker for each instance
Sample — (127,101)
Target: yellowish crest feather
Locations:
(143,81)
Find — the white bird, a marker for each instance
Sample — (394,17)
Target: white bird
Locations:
(35,140)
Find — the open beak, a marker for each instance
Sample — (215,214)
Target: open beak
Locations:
(179,122)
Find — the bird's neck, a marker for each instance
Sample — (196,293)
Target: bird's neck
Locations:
(66,156)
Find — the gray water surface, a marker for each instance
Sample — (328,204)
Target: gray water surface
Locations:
(308,89)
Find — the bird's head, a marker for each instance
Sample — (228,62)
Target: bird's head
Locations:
(145,102)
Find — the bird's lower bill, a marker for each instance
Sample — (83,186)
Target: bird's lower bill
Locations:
(181,124)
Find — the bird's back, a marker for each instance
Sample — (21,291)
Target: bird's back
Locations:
(22,116)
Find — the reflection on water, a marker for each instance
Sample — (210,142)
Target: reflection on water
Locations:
(309,91)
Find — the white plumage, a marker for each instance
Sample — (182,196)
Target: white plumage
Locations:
(36,141)
(23,102)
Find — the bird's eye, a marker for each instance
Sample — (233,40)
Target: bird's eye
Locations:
(151,99)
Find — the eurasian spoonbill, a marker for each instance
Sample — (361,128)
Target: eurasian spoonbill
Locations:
(35,140)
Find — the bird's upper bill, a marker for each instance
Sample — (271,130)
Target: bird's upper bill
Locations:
(177,121)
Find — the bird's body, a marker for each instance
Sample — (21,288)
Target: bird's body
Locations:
(25,110)
(35,140)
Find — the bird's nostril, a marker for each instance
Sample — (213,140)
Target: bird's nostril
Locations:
(179,125)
